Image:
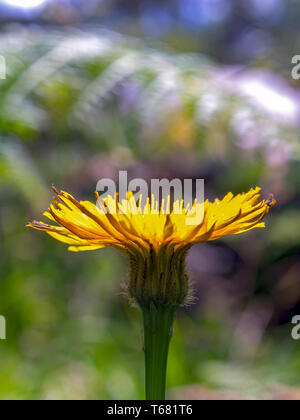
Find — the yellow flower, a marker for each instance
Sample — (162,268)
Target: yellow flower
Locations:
(157,242)
(85,226)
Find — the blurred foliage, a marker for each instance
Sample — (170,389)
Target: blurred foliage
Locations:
(78,106)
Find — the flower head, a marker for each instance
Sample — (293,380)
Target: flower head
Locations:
(155,238)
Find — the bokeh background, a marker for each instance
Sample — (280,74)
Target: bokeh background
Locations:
(188,89)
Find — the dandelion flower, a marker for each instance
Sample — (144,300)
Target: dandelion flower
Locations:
(156,238)
(161,239)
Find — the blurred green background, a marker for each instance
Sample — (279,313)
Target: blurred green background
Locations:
(193,89)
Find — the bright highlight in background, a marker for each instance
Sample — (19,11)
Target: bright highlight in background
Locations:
(24,4)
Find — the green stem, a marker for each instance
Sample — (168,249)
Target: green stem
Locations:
(158,323)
